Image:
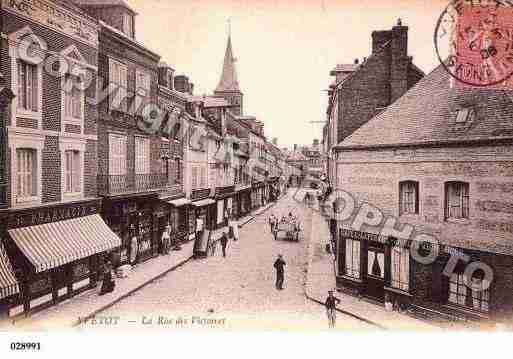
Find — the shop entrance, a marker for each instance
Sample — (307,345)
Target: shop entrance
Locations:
(375,274)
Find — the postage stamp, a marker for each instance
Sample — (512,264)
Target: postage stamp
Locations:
(474,42)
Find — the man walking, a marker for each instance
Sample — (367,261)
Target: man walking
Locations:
(331,311)
(224,243)
(279,264)
(272,222)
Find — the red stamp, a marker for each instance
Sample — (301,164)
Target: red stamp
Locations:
(479,42)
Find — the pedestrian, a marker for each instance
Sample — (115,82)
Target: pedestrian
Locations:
(224,243)
(199,227)
(233,228)
(331,311)
(108,284)
(166,239)
(280,264)
(272,222)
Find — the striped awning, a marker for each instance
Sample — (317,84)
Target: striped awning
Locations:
(8,283)
(179,202)
(52,245)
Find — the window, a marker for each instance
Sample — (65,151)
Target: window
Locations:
(117,155)
(409,197)
(456,200)
(28,83)
(477,297)
(72,172)
(400,278)
(73,98)
(203,183)
(128,25)
(142,155)
(465,115)
(26,173)
(178,168)
(352,258)
(194,175)
(143,83)
(118,74)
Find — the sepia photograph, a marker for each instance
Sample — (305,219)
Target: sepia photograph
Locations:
(337,167)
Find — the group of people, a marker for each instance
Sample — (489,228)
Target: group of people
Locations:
(273,221)
(166,241)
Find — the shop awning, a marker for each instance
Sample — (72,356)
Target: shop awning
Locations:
(203,202)
(179,202)
(52,245)
(8,283)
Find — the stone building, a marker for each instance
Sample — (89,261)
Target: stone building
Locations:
(49,60)
(362,90)
(436,166)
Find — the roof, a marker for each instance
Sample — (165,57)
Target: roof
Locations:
(427,113)
(296,156)
(104,3)
(130,40)
(344,68)
(228,81)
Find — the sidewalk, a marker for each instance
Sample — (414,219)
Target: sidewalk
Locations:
(321,278)
(89,303)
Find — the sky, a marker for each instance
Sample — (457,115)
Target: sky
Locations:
(285,49)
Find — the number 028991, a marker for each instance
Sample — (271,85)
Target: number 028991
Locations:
(25,346)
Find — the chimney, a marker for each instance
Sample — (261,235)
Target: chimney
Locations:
(191,88)
(275,141)
(400,61)
(356,61)
(182,83)
(316,142)
(295,147)
(380,38)
(166,75)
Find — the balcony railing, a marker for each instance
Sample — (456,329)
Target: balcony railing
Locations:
(132,183)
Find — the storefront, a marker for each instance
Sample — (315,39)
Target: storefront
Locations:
(138,224)
(243,202)
(257,194)
(224,205)
(178,220)
(9,286)
(57,252)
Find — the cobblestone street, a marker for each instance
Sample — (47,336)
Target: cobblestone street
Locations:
(239,289)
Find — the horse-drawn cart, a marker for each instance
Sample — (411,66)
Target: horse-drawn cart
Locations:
(289,229)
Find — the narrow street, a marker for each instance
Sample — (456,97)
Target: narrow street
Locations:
(236,292)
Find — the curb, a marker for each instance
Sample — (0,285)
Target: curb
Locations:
(315,300)
(127,294)
(149,281)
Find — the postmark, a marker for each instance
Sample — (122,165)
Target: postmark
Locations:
(474,42)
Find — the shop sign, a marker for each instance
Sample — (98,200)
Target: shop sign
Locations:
(49,14)
(49,215)
(344,232)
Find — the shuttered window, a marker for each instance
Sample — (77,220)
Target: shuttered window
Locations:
(28,87)
(117,155)
(26,172)
(72,176)
(142,155)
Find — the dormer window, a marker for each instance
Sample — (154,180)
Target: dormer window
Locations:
(465,115)
(128,21)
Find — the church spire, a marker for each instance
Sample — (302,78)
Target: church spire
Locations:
(228,81)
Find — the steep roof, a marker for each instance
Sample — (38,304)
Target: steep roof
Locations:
(428,114)
(228,81)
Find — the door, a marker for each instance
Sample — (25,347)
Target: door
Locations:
(375,274)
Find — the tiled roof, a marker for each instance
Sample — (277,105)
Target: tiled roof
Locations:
(427,114)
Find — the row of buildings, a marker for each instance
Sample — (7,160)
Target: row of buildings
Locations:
(311,160)
(99,149)
(432,156)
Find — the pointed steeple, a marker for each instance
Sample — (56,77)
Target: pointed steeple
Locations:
(228,81)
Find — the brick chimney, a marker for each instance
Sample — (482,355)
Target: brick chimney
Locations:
(182,83)
(295,147)
(380,38)
(275,141)
(191,88)
(400,61)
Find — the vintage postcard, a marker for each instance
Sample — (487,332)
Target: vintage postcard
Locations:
(227,165)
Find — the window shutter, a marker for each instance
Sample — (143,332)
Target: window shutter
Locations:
(21,85)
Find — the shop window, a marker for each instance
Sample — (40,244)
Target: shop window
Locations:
(477,297)
(26,173)
(72,173)
(352,256)
(409,197)
(400,275)
(456,200)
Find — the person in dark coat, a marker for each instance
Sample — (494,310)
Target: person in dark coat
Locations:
(108,282)
(224,243)
(331,311)
(280,264)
